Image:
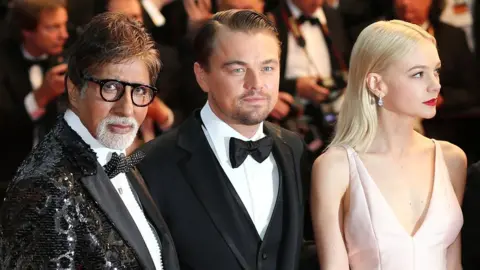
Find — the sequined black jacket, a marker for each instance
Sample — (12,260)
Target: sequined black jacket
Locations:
(62,212)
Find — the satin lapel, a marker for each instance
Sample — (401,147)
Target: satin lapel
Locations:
(169,255)
(104,193)
(202,171)
(284,157)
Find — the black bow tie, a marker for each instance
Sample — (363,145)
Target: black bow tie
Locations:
(312,20)
(44,63)
(259,150)
(120,164)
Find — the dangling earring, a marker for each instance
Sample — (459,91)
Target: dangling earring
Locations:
(380,101)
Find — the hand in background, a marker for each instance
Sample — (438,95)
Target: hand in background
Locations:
(160,113)
(308,88)
(52,86)
(282,108)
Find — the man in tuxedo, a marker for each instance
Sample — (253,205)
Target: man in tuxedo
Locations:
(76,202)
(228,183)
(31,78)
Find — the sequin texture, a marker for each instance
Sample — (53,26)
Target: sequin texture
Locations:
(48,219)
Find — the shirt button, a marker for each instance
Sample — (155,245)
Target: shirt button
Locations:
(264,256)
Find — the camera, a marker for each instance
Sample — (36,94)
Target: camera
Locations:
(335,84)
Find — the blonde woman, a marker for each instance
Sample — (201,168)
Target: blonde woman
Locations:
(384,196)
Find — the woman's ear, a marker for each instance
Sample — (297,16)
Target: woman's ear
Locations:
(376,85)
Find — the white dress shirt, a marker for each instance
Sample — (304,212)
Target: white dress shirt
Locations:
(255,183)
(297,63)
(35,74)
(122,186)
(154,13)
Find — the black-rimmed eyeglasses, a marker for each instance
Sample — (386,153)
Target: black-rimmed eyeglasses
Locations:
(113,90)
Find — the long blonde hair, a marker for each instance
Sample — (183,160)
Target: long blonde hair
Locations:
(377,47)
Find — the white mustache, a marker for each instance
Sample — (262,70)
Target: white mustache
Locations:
(116,141)
(118,120)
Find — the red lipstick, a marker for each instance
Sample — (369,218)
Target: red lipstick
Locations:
(431,102)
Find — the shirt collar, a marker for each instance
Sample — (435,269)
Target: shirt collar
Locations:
(220,132)
(28,56)
(103,153)
(296,12)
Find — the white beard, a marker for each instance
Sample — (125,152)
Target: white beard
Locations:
(116,141)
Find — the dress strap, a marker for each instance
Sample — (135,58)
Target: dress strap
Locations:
(352,164)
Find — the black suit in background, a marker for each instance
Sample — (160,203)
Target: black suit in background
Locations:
(471,226)
(17,127)
(457,74)
(207,219)
(62,211)
(3,20)
(189,96)
(358,14)
(175,27)
(80,12)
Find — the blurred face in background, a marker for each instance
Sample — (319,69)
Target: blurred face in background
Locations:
(256,5)
(50,35)
(131,8)
(413,11)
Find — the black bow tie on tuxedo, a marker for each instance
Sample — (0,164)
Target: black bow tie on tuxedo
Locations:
(312,20)
(120,164)
(258,150)
(44,63)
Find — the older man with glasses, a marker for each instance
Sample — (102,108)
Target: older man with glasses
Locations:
(76,202)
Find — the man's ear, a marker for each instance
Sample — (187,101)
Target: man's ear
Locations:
(376,85)
(200,75)
(74,94)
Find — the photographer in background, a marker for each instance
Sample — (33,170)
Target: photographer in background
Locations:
(314,57)
(31,78)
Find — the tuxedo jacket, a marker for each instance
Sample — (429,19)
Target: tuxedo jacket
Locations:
(17,138)
(62,212)
(471,226)
(185,180)
(337,33)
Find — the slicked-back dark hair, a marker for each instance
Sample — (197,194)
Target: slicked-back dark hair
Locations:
(235,20)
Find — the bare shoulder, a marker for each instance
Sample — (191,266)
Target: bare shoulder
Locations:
(332,167)
(455,157)
(456,161)
(334,156)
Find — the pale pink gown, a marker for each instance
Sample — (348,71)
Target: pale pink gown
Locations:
(377,241)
